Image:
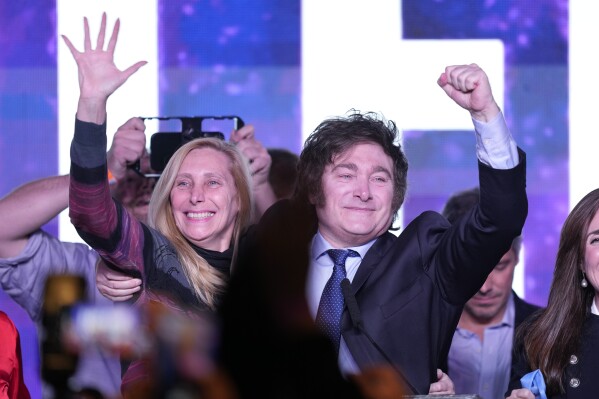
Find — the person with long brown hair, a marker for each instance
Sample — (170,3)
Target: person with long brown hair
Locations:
(562,341)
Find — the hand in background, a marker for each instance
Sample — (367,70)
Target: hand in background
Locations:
(443,386)
(259,161)
(257,156)
(116,286)
(128,145)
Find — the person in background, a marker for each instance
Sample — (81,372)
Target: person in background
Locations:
(480,355)
(562,340)
(29,255)
(12,385)
(283,172)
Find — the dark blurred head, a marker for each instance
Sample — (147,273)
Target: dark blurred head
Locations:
(464,202)
(460,203)
(283,172)
(135,190)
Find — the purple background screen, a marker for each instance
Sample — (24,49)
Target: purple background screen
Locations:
(243,57)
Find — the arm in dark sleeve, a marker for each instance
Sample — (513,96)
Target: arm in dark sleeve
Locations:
(469,250)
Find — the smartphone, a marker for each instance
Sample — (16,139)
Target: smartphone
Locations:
(163,144)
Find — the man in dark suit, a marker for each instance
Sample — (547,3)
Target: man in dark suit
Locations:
(481,351)
(410,289)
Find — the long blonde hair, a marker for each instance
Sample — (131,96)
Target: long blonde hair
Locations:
(206,281)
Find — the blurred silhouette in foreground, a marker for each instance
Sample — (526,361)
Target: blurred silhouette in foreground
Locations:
(270,346)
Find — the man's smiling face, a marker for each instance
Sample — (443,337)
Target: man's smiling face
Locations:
(358,195)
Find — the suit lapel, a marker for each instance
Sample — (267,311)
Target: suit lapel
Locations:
(372,260)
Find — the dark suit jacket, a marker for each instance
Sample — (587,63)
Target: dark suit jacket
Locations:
(580,377)
(411,289)
(523,310)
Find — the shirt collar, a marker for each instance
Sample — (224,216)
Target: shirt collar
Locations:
(320,245)
(594,309)
(509,317)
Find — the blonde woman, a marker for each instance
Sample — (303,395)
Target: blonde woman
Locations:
(199,210)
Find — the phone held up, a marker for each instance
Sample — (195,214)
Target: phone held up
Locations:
(182,129)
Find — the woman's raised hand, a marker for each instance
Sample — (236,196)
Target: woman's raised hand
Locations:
(98,75)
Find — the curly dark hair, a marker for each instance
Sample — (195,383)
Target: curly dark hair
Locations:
(333,137)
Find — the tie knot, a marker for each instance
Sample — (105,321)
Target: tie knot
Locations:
(340,255)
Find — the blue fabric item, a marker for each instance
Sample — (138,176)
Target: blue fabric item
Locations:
(331,303)
(535,382)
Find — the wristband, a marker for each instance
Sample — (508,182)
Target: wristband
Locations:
(111,178)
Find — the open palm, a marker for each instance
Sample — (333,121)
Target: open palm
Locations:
(98,75)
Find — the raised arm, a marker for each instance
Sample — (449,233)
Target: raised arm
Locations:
(91,207)
(30,206)
(128,146)
(473,246)
(260,162)
(469,87)
(98,75)
(27,208)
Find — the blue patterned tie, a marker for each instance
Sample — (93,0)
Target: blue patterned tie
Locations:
(331,304)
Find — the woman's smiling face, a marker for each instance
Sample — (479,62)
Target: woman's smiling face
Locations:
(204,199)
